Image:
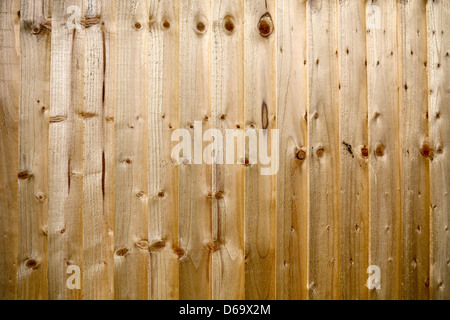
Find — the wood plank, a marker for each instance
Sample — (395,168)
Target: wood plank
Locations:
(354,142)
(324,146)
(65,165)
(163,175)
(260,113)
(9,114)
(228,277)
(384,157)
(131,150)
(195,180)
(438,12)
(292,195)
(33,151)
(415,176)
(97,241)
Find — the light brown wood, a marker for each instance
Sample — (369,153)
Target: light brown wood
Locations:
(438,12)
(292,193)
(163,174)
(354,243)
(65,164)
(260,113)
(131,150)
(324,147)
(97,214)
(384,152)
(9,118)
(415,174)
(33,153)
(195,180)
(228,278)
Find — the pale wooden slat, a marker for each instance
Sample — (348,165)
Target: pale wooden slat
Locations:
(292,193)
(9,113)
(97,241)
(194,184)
(438,13)
(65,165)
(228,277)
(324,147)
(131,148)
(260,113)
(354,233)
(163,175)
(33,151)
(384,152)
(415,176)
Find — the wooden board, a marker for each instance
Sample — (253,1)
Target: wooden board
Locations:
(163,174)
(260,113)
(415,176)
(324,147)
(228,277)
(33,153)
(292,193)
(195,180)
(439,115)
(9,118)
(384,152)
(131,152)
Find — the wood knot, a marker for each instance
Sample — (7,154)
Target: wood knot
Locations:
(32,264)
(320,152)
(25,175)
(137,26)
(142,244)
(301,155)
(166,25)
(228,25)
(219,195)
(265,25)
(157,245)
(379,151)
(122,252)
(365,152)
(41,197)
(426,151)
(180,252)
(200,24)
(214,245)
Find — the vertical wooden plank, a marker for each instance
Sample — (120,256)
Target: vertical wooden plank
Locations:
(97,242)
(163,175)
(292,193)
(354,150)
(384,160)
(9,111)
(131,150)
(260,113)
(195,190)
(33,151)
(228,180)
(324,146)
(438,13)
(415,176)
(65,165)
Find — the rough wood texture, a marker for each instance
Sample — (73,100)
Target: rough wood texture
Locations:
(354,245)
(384,153)
(195,180)
(33,151)
(163,174)
(9,111)
(415,174)
(324,147)
(260,113)
(292,195)
(228,277)
(438,13)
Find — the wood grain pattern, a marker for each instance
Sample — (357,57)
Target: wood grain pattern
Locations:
(292,193)
(163,174)
(415,175)
(384,157)
(33,152)
(195,180)
(9,118)
(260,113)
(324,147)
(131,151)
(354,143)
(438,12)
(228,277)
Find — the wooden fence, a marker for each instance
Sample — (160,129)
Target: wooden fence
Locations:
(359,91)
